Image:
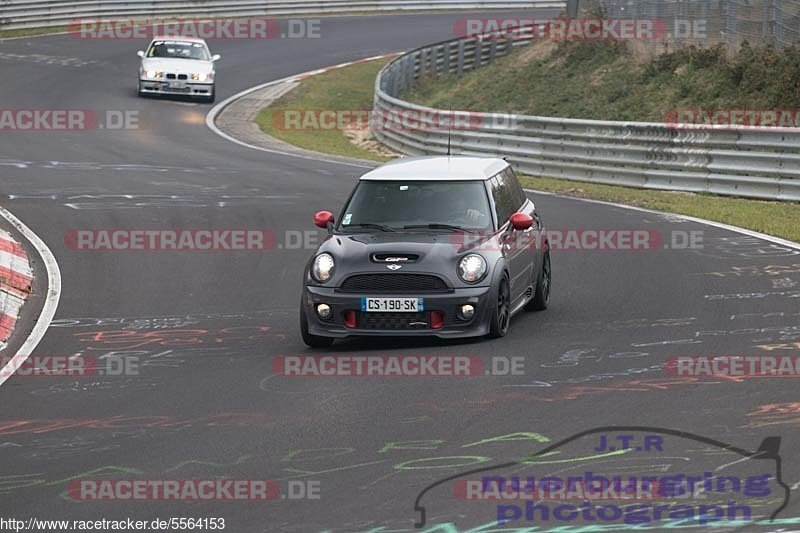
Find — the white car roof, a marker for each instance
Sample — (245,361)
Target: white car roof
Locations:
(438,168)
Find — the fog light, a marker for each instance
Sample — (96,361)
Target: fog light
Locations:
(467,311)
(324,311)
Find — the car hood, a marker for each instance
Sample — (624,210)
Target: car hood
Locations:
(178,66)
(412,251)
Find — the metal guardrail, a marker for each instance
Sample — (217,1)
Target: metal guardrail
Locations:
(725,160)
(21,14)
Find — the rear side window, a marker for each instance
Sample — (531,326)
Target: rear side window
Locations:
(507,194)
(516,188)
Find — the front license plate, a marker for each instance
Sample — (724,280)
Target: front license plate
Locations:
(392,305)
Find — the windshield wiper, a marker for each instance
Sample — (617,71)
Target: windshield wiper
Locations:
(375,226)
(439,226)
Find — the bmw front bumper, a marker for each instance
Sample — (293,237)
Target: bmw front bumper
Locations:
(188,88)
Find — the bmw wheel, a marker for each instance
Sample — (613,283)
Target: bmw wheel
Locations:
(212,96)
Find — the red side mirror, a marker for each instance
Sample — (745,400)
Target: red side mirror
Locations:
(323,218)
(521,221)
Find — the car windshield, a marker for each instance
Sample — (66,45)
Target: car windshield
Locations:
(399,205)
(178,50)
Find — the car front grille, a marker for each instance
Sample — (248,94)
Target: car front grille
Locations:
(394,283)
(393,321)
(172,76)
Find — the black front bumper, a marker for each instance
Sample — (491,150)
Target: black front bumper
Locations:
(399,324)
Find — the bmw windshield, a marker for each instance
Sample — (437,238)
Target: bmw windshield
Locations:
(417,205)
(178,50)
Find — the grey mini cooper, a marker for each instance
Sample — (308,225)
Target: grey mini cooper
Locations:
(427,246)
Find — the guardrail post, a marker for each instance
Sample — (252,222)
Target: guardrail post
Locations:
(460,58)
(492,50)
(408,72)
(777,23)
(705,14)
(730,24)
(448,49)
(572,8)
(476,58)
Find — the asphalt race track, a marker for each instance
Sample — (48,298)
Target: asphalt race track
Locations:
(204,326)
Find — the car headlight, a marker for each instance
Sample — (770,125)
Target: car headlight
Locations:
(322,269)
(472,268)
(153,74)
(201,76)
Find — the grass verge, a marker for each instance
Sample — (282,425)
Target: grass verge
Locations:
(781,219)
(351,88)
(31,32)
(609,81)
(347,88)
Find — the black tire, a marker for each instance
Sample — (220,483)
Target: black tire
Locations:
(501,313)
(313,341)
(210,99)
(544,282)
(139,92)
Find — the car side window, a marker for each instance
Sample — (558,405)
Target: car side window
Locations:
(503,199)
(513,183)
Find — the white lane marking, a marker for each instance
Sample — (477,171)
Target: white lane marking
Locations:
(217,109)
(50,303)
(735,229)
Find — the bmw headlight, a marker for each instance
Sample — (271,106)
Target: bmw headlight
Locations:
(472,268)
(322,269)
(201,76)
(153,74)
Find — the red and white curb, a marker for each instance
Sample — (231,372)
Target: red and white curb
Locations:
(16,277)
(53,274)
